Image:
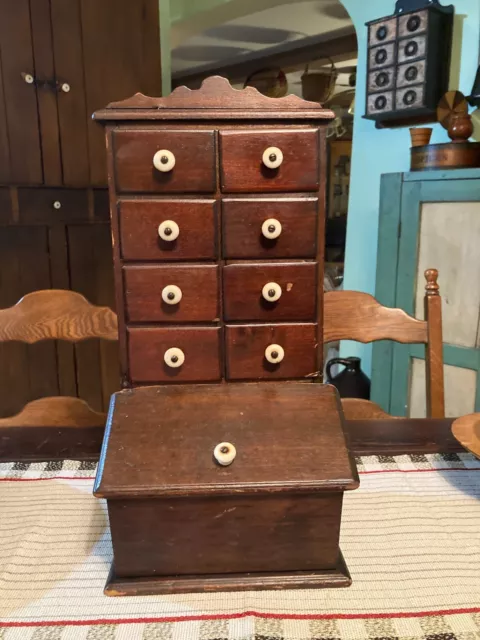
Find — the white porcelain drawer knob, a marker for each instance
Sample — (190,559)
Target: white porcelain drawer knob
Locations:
(224,453)
(57,204)
(272,157)
(174,357)
(168,230)
(272,291)
(171,294)
(164,160)
(274,353)
(271,228)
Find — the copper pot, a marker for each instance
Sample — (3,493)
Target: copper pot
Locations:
(460,127)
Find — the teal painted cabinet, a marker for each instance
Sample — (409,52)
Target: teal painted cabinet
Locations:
(430,219)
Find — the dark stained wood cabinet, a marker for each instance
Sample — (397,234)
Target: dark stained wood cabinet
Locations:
(182,521)
(60,60)
(218,204)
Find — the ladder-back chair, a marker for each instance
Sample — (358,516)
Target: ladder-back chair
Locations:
(352,315)
(50,427)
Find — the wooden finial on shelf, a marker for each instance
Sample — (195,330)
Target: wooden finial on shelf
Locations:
(431,288)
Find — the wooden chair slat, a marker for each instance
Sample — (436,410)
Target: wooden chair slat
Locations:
(58,411)
(353,315)
(360,409)
(56,314)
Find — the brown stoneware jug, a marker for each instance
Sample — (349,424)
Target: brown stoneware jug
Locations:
(352,382)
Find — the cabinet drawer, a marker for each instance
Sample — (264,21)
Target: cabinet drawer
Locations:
(141,237)
(192,154)
(411,49)
(381,56)
(244,160)
(411,73)
(249,224)
(250,349)
(378,102)
(196,350)
(290,295)
(171,293)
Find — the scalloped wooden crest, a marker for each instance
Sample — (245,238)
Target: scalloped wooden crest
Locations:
(216,92)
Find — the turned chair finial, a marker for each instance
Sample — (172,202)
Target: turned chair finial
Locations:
(431,288)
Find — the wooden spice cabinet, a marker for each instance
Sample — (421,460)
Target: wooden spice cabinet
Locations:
(231,228)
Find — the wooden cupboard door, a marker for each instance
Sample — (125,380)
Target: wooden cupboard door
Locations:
(72,108)
(104,51)
(28,371)
(20,119)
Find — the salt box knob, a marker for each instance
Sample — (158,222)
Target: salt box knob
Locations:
(271,228)
(224,453)
(272,291)
(171,294)
(272,157)
(168,230)
(174,357)
(164,160)
(274,353)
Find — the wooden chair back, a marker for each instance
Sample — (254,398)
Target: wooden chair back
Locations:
(56,314)
(352,315)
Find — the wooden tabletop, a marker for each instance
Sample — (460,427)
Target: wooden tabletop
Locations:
(366,437)
(401,435)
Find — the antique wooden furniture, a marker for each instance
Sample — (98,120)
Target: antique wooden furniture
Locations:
(429,218)
(467,431)
(54,426)
(352,315)
(217,203)
(264,513)
(408,62)
(61,60)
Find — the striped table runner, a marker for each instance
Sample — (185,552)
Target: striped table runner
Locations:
(410,536)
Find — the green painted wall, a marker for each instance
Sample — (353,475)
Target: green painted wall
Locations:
(387,151)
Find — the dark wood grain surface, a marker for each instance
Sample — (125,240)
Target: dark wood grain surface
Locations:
(194,170)
(242,221)
(243,284)
(139,221)
(246,344)
(231,535)
(201,346)
(288,436)
(242,169)
(198,284)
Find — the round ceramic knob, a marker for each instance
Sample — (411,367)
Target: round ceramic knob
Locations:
(274,353)
(29,79)
(224,453)
(57,204)
(271,228)
(164,160)
(174,357)
(171,294)
(272,157)
(65,87)
(272,291)
(168,230)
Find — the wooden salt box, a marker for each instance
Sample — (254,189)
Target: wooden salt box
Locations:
(225,487)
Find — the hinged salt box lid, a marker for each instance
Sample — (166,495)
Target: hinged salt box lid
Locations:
(280,437)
